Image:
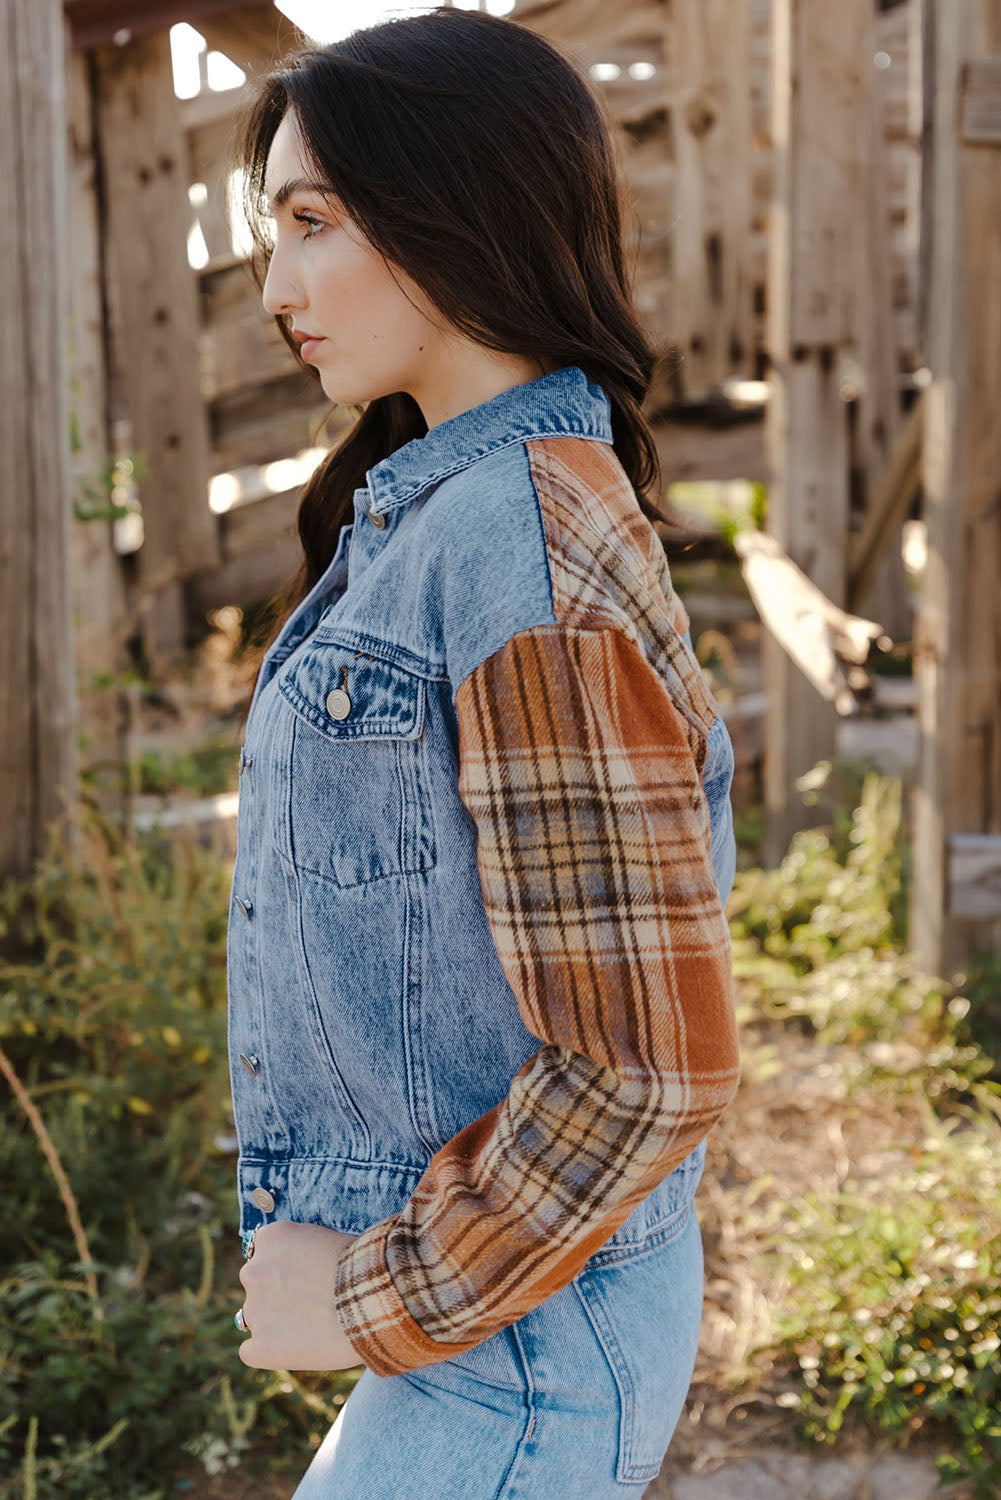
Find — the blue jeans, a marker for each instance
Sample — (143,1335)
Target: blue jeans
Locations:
(578,1400)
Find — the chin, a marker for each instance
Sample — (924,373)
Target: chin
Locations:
(353,395)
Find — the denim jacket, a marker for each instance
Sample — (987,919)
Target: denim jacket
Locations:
(481,1011)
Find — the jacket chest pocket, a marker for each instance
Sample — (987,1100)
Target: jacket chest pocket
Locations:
(352,800)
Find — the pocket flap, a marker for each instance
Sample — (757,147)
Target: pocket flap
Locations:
(384,701)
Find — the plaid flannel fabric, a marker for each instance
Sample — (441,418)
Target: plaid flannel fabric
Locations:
(581,747)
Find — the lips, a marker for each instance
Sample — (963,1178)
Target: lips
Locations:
(307,341)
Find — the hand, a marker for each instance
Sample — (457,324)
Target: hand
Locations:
(289,1299)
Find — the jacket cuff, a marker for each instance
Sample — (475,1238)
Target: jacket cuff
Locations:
(374,1316)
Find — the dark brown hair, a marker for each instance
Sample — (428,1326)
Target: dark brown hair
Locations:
(472,154)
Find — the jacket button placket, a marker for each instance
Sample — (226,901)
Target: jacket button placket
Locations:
(257,1108)
(244,902)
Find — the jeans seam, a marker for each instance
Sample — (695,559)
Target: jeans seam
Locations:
(669,1231)
(504,1491)
(600,1320)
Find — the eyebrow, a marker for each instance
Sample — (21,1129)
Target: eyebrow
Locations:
(306,184)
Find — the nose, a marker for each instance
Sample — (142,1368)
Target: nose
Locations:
(279,293)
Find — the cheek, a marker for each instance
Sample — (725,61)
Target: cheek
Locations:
(359,290)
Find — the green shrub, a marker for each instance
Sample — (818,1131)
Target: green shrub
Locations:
(821,940)
(885,1293)
(208,769)
(116,1369)
(888,1295)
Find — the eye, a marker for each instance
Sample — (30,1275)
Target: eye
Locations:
(309,219)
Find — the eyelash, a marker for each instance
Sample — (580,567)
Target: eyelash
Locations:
(308,219)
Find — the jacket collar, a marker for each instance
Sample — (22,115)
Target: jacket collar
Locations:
(563,402)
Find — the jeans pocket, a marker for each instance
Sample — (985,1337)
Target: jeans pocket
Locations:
(646,1314)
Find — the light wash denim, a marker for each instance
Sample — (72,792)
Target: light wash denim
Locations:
(577,1400)
(370,1019)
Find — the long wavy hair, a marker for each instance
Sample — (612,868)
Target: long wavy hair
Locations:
(473,155)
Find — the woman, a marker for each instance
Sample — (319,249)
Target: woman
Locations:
(481,1005)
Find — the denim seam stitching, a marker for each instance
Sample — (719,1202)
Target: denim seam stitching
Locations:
(669,1231)
(601,1321)
(530,1414)
(295,867)
(410,928)
(319,721)
(468,461)
(398,656)
(347,1161)
(601,1325)
(321,1030)
(542,528)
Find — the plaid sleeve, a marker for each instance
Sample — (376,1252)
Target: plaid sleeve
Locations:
(583,777)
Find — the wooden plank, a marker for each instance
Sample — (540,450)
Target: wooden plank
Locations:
(210,106)
(884,588)
(709,42)
(250,579)
(261,523)
(828,644)
(98,591)
(226,292)
(155,316)
(241,354)
(266,423)
(37,687)
(888,508)
(975,877)
(253,38)
(980,102)
(96,23)
(568,21)
(818,54)
(958,639)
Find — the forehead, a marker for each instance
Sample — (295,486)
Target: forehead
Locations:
(287,168)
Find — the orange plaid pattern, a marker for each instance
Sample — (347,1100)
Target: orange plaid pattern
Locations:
(581,747)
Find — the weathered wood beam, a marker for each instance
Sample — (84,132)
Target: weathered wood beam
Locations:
(888,508)
(37,686)
(980,102)
(98,585)
(958,635)
(251,38)
(820,59)
(975,877)
(709,42)
(97,23)
(153,297)
(885,588)
(828,644)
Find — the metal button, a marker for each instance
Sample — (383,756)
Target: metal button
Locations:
(250,1063)
(377,520)
(263,1199)
(245,906)
(338,704)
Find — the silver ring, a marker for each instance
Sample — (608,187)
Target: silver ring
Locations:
(240,1321)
